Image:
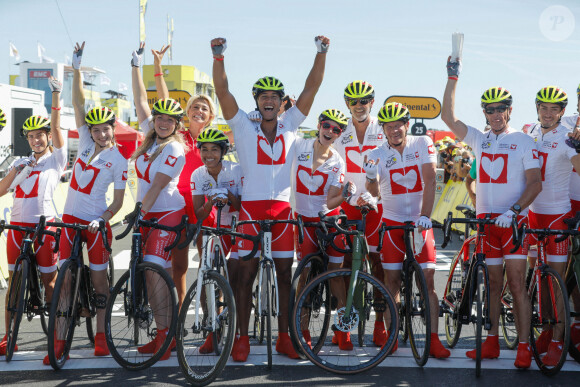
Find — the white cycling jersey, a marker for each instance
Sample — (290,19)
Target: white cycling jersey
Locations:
(33,196)
(311,188)
(556,170)
(401,177)
(502,161)
(91,177)
(570,123)
(266,167)
(353,153)
(169,162)
(230,178)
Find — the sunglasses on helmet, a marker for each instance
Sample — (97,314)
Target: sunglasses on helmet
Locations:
(335,129)
(363,101)
(499,109)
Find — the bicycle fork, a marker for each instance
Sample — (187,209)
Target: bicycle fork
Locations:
(357,252)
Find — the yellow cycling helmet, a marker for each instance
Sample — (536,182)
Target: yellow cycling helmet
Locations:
(2,119)
(359,89)
(334,115)
(552,94)
(394,111)
(168,106)
(100,115)
(267,84)
(35,123)
(494,95)
(213,136)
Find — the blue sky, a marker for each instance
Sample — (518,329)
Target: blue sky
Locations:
(399,47)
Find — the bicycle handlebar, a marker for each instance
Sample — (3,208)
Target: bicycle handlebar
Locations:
(408,226)
(37,232)
(81,227)
(516,240)
(563,234)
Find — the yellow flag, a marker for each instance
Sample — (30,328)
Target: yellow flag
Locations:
(142,10)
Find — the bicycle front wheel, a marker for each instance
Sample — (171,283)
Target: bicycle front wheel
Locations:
(479,306)
(136,314)
(201,366)
(551,313)
(64,314)
(418,313)
(312,306)
(452,296)
(15,307)
(268,292)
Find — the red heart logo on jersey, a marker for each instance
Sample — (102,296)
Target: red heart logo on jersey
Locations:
(309,184)
(29,187)
(355,157)
(271,155)
(84,177)
(493,168)
(405,180)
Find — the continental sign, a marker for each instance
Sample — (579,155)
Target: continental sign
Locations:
(419,107)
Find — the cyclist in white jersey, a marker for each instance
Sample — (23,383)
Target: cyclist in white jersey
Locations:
(552,205)
(218,180)
(266,152)
(363,133)
(319,186)
(159,161)
(34,180)
(99,163)
(508,180)
(402,172)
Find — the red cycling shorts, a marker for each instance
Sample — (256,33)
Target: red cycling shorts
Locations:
(373,223)
(98,254)
(310,244)
(45,257)
(155,241)
(498,242)
(555,252)
(393,251)
(282,234)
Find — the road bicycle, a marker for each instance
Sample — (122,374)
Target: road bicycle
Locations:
(74,297)
(365,294)
(26,293)
(143,302)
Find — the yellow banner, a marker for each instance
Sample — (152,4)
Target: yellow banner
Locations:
(453,195)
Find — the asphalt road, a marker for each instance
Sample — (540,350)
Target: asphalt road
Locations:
(399,369)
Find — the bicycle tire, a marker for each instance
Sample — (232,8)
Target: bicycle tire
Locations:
(64,312)
(202,369)
(268,313)
(315,265)
(507,319)
(16,302)
(571,285)
(220,269)
(131,325)
(367,310)
(328,356)
(553,280)
(418,313)
(453,291)
(480,304)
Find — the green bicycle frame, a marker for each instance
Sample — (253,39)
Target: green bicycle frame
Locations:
(354,294)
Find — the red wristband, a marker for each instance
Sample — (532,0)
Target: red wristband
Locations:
(454,78)
(55,108)
(112,214)
(217,58)
(159,74)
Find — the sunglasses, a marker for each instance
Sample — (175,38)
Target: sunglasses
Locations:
(499,109)
(333,128)
(363,101)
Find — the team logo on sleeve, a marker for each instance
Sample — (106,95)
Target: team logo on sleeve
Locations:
(171,160)
(405,180)
(430,149)
(29,187)
(108,165)
(310,184)
(493,168)
(124,177)
(84,177)
(513,146)
(341,178)
(271,155)
(355,157)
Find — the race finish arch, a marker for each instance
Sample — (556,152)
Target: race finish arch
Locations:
(421,108)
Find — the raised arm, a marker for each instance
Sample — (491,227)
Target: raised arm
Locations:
(314,80)
(448,108)
(56,88)
(220,80)
(78,94)
(139,93)
(160,85)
